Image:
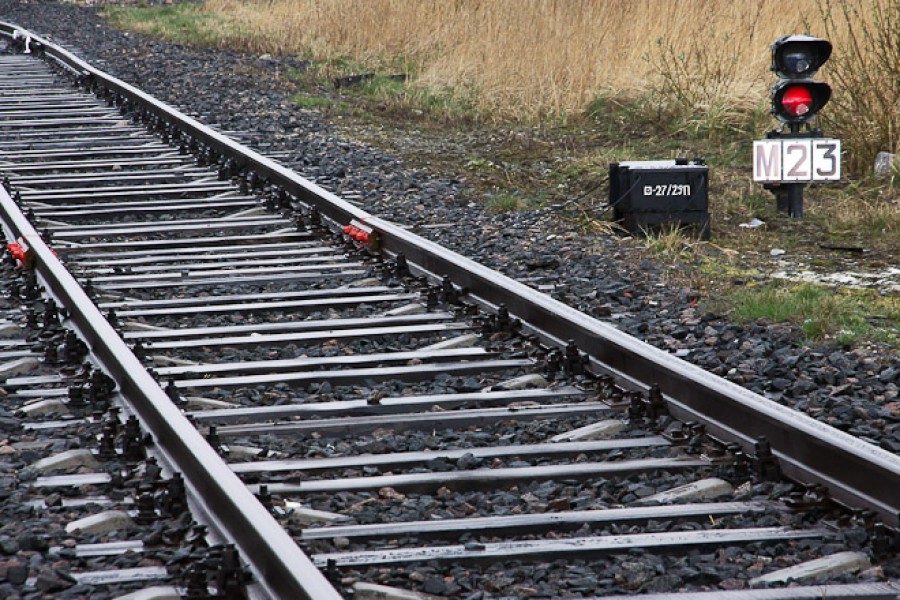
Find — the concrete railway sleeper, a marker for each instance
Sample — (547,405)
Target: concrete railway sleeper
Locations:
(230,383)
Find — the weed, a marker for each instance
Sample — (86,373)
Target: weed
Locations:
(671,241)
(306,101)
(864,210)
(381,87)
(699,89)
(819,311)
(184,23)
(480,164)
(602,228)
(504,202)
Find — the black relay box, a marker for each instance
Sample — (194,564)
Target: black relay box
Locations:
(647,195)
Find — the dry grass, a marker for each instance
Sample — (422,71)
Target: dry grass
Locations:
(529,56)
(698,66)
(866,72)
(867,217)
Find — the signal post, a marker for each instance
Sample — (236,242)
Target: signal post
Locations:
(797,153)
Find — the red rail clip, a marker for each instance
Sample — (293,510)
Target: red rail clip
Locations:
(357,234)
(362,233)
(21,252)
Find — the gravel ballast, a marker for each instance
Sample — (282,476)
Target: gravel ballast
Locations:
(854,390)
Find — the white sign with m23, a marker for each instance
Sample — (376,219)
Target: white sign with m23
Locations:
(797,160)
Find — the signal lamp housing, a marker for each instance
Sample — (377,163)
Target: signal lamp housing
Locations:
(799,56)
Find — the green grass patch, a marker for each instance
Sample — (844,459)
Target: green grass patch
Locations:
(313,102)
(445,104)
(671,242)
(504,202)
(181,23)
(385,88)
(819,311)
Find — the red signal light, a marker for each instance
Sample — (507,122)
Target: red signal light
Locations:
(797,101)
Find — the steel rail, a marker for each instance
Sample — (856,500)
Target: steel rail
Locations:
(680,398)
(280,568)
(854,471)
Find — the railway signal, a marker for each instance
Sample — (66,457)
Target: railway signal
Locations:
(795,59)
(797,153)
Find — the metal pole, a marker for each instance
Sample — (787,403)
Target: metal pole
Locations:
(795,200)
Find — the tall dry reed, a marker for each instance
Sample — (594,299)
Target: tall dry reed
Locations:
(528,59)
(542,56)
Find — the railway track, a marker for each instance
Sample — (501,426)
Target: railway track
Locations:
(298,399)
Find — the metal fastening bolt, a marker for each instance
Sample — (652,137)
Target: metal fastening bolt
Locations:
(76,396)
(202,158)
(50,317)
(172,393)
(698,437)
(574,361)
(331,571)
(146,509)
(401,267)
(31,291)
(103,382)
(766,464)
(132,441)
(51,354)
(636,407)
(196,582)
(230,574)
(503,321)
(656,405)
(314,218)
(213,438)
(174,499)
(431,299)
(448,291)
(264,497)
(152,474)
(284,199)
(885,540)
(554,362)
(107,445)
